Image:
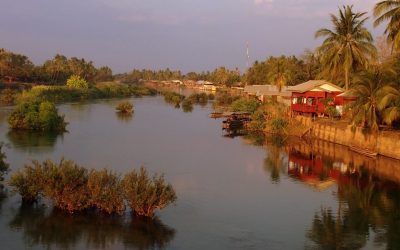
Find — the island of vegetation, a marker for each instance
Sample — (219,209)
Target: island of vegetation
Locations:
(73,188)
(124,108)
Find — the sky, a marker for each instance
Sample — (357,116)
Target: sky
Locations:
(193,35)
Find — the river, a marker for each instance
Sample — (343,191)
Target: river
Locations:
(233,193)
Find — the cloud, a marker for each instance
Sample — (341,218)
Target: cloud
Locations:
(261,2)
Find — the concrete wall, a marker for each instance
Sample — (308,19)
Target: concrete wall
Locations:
(386,143)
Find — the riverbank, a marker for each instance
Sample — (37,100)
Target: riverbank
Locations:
(385,143)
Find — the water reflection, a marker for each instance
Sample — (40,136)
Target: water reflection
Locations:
(55,229)
(366,202)
(275,161)
(33,141)
(124,117)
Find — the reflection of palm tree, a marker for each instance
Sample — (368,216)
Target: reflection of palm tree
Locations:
(274,163)
(58,230)
(364,204)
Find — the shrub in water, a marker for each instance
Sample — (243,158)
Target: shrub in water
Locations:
(124,107)
(66,185)
(145,194)
(28,182)
(105,191)
(36,116)
(72,188)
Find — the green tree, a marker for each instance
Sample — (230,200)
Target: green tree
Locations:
(389,10)
(346,48)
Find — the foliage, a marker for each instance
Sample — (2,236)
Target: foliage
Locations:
(346,48)
(105,191)
(258,120)
(364,110)
(330,109)
(66,185)
(73,188)
(65,94)
(245,105)
(389,12)
(124,107)
(3,164)
(173,97)
(225,99)
(7,96)
(37,116)
(77,82)
(278,124)
(282,71)
(389,103)
(28,182)
(145,194)
(14,66)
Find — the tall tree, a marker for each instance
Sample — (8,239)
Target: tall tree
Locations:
(347,47)
(389,10)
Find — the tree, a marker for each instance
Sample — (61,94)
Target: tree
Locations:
(349,46)
(389,10)
(390,104)
(279,73)
(368,91)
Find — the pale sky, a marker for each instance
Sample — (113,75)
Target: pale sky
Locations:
(191,35)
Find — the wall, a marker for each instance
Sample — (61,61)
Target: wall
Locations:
(385,143)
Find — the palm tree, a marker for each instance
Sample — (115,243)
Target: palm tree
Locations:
(390,104)
(348,46)
(389,11)
(365,110)
(278,72)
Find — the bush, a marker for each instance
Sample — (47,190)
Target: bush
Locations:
(28,182)
(66,185)
(124,107)
(245,105)
(278,125)
(77,82)
(173,97)
(37,116)
(145,194)
(224,99)
(105,191)
(7,96)
(258,120)
(72,188)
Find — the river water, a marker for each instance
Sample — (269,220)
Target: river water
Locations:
(233,192)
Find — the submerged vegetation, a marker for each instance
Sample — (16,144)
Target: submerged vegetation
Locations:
(124,108)
(37,116)
(72,188)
